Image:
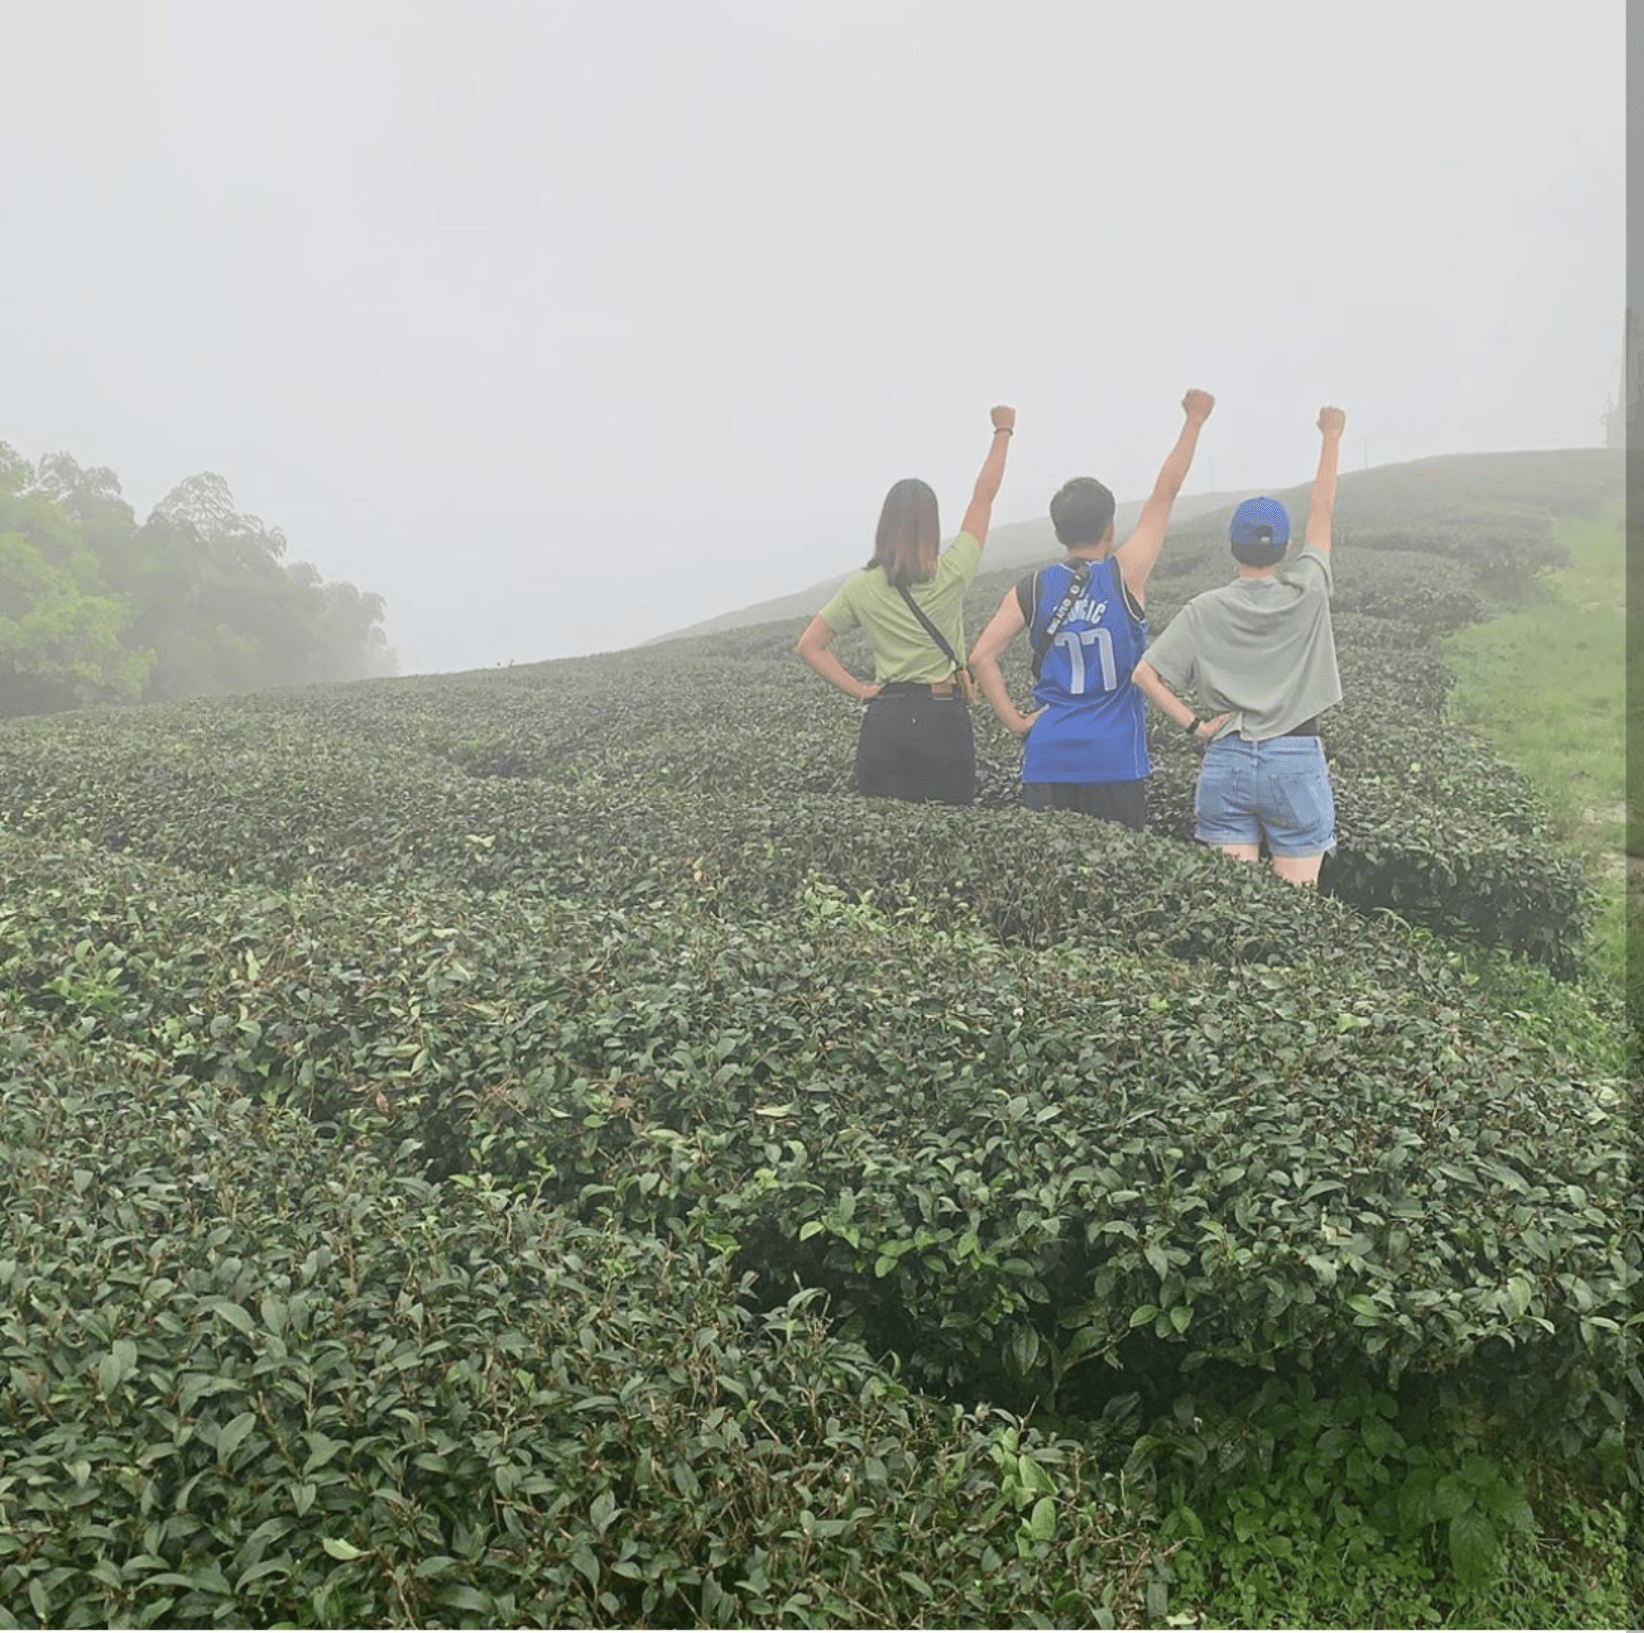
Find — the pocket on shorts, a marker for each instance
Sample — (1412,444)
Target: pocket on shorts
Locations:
(1305,804)
(1219,795)
(1209,798)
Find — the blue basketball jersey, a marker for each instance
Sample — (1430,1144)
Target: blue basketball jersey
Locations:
(1091,730)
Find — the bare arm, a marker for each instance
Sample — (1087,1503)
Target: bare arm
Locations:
(1003,628)
(980,512)
(813,648)
(1166,701)
(1321,512)
(1140,551)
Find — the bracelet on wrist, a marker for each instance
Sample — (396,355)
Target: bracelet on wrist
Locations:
(1009,430)
(1192,727)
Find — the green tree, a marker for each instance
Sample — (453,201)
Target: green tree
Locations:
(197,600)
(61,641)
(16,473)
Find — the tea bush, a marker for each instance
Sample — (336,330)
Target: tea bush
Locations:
(254,1377)
(1020,877)
(1085,1153)
(1496,546)
(533,784)
(1421,593)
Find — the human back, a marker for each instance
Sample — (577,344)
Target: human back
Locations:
(903,650)
(1263,648)
(1085,747)
(1090,726)
(1260,654)
(915,740)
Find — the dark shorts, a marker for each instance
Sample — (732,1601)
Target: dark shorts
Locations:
(1277,790)
(916,747)
(1121,802)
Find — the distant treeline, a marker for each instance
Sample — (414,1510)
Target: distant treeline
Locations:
(95,609)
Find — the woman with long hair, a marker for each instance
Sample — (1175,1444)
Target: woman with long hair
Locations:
(915,742)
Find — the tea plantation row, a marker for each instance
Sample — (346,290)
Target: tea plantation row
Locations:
(528,777)
(256,1377)
(1290,1146)
(1028,1173)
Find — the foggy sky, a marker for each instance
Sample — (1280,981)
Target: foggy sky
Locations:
(564,324)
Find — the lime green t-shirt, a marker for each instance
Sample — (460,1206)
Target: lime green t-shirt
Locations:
(902,650)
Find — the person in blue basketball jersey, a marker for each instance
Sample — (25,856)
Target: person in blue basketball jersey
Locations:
(1086,748)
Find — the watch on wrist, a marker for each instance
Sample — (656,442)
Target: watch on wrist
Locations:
(1192,727)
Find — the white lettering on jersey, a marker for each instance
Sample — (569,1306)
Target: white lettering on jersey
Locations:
(1074,644)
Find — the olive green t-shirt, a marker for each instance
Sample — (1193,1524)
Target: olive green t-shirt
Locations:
(902,649)
(1261,649)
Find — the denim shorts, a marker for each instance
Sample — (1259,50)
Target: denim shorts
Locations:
(1277,790)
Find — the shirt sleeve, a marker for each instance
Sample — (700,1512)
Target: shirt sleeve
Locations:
(1311,570)
(959,561)
(840,612)
(1172,654)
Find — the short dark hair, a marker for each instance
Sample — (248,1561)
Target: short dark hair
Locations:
(1082,511)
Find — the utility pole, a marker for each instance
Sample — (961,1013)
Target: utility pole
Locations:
(1621,418)
(1632,385)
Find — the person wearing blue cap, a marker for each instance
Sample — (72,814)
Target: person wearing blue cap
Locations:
(1086,746)
(1260,655)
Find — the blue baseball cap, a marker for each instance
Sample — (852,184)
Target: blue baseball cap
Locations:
(1260,521)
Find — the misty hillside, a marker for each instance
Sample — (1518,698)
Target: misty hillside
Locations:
(1410,493)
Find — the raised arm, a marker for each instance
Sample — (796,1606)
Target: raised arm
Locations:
(1003,628)
(1140,551)
(980,512)
(813,648)
(1322,509)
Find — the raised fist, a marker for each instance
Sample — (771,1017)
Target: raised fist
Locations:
(1197,404)
(1332,421)
(1004,419)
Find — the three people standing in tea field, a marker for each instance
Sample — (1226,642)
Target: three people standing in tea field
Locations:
(1258,653)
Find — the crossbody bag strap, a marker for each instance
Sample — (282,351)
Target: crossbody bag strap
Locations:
(1077,583)
(930,628)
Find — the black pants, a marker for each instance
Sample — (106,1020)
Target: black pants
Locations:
(917,747)
(1121,802)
